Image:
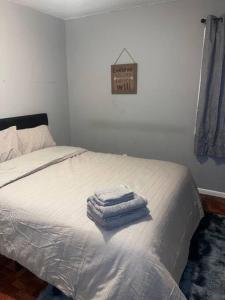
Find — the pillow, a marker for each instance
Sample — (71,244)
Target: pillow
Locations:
(9,147)
(33,139)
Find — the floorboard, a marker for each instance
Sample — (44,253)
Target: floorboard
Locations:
(212,204)
(18,285)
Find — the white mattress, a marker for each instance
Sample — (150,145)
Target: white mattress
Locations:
(43,223)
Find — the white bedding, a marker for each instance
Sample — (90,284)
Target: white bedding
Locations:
(43,223)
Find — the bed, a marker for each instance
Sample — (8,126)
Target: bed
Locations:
(44,227)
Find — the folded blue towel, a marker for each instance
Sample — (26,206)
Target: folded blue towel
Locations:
(117,209)
(114,195)
(119,220)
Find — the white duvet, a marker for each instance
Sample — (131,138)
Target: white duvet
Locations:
(43,223)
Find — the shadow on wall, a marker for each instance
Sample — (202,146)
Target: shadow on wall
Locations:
(149,127)
(138,126)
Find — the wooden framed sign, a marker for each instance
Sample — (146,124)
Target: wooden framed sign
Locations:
(124,79)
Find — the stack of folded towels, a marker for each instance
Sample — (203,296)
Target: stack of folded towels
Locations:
(115,207)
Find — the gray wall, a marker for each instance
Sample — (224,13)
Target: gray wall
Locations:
(166,41)
(33,67)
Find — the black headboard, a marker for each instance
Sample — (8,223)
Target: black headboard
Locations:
(23,122)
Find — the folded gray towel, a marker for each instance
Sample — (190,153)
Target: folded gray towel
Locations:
(114,195)
(117,209)
(119,220)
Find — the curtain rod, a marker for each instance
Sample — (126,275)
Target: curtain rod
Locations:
(216,19)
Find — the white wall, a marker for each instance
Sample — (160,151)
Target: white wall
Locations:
(158,122)
(33,67)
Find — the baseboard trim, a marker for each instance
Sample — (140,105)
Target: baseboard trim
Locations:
(211,193)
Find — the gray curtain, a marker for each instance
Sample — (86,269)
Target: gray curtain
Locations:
(210,123)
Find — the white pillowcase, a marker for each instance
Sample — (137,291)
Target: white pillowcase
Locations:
(9,147)
(33,139)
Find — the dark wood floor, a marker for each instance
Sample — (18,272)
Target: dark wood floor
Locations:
(213,204)
(23,285)
(18,285)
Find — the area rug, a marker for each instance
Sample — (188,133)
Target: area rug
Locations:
(52,293)
(204,275)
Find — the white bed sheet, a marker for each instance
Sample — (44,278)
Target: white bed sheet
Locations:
(43,223)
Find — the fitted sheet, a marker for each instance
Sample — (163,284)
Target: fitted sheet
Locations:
(44,226)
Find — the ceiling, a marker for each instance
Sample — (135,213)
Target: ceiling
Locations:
(69,9)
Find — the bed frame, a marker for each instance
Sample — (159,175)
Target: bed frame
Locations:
(23,122)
